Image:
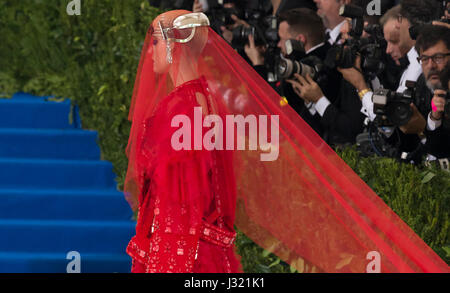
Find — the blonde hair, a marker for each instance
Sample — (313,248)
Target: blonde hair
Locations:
(393,13)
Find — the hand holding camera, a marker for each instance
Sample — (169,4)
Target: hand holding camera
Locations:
(254,53)
(306,88)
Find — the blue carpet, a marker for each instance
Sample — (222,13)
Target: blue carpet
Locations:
(56,194)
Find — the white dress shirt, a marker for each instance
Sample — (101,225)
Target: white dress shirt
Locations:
(334,33)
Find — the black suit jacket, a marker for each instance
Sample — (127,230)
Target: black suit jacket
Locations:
(343,119)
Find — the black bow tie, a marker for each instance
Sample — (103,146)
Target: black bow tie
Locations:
(404,62)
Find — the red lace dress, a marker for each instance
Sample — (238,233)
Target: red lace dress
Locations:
(187,202)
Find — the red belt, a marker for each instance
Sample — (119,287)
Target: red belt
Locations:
(216,235)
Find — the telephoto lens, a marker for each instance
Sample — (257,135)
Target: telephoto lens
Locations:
(287,68)
(291,65)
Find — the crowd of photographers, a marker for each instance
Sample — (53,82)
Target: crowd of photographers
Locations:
(371,73)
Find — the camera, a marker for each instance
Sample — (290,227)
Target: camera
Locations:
(296,62)
(255,15)
(446,118)
(220,15)
(371,48)
(289,65)
(264,28)
(344,55)
(392,108)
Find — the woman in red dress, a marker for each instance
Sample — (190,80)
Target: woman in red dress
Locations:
(306,206)
(186,197)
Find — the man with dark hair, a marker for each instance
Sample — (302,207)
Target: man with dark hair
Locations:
(303,25)
(293,4)
(433,45)
(420,11)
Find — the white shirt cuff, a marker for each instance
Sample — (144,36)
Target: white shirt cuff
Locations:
(321,105)
(311,107)
(433,125)
(367,106)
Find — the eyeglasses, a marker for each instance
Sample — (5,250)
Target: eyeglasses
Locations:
(438,58)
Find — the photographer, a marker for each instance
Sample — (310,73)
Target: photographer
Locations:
(226,29)
(303,27)
(433,44)
(338,106)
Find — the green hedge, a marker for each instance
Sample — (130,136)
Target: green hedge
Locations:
(93,58)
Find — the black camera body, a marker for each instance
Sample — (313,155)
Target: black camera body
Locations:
(392,108)
(221,16)
(255,15)
(344,55)
(373,51)
(263,26)
(264,31)
(446,118)
(371,48)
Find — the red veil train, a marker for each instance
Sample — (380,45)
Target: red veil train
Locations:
(304,204)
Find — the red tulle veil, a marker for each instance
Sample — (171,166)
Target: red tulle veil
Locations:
(306,206)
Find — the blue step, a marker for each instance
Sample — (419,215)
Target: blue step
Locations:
(20,262)
(36,113)
(63,236)
(56,174)
(56,195)
(63,204)
(70,144)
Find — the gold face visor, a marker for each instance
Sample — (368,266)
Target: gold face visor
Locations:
(186,21)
